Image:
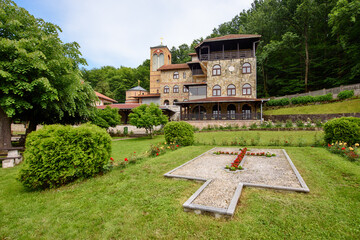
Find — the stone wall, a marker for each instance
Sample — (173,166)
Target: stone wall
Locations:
(168,80)
(235,77)
(305,117)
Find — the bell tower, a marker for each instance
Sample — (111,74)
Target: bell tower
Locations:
(159,56)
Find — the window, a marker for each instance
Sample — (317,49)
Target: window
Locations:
(176,75)
(155,64)
(175,101)
(216,70)
(216,90)
(176,89)
(216,111)
(166,89)
(246,68)
(184,75)
(185,100)
(158,81)
(166,102)
(231,90)
(185,89)
(231,110)
(197,91)
(246,90)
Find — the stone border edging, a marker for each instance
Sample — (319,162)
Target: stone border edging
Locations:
(188,205)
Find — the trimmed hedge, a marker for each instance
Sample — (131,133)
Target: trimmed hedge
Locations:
(180,132)
(278,102)
(57,155)
(345,94)
(300,100)
(345,129)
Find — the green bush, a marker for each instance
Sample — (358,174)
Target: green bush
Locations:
(346,129)
(309,99)
(57,155)
(345,94)
(323,98)
(180,132)
(105,118)
(278,102)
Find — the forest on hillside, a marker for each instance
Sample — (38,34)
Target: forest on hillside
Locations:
(305,45)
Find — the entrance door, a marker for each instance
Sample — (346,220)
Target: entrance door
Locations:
(246,112)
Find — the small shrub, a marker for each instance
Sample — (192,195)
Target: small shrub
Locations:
(346,129)
(289,124)
(345,94)
(318,123)
(308,125)
(56,155)
(323,98)
(278,102)
(253,126)
(278,124)
(300,124)
(179,132)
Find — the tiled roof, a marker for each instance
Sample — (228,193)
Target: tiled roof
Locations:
(102,96)
(147,95)
(120,106)
(174,66)
(232,36)
(224,99)
(137,88)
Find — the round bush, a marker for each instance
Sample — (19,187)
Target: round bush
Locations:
(345,94)
(57,155)
(180,132)
(346,129)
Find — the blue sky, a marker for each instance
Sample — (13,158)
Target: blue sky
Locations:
(120,33)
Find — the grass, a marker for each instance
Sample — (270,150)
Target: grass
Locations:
(350,106)
(139,203)
(261,138)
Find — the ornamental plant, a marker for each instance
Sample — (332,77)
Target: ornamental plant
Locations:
(345,129)
(343,149)
(57,155)
(236,164)
(181,133)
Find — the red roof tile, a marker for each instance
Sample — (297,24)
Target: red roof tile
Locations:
(120,106)
(174,66)
(147,95)
(102,96)
(232,36)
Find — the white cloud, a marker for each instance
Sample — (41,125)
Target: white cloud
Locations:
(118,33)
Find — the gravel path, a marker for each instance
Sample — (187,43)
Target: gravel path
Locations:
(274,171)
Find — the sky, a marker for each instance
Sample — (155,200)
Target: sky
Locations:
(120,33)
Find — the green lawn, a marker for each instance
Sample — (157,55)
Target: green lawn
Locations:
(139,203)
(350,106)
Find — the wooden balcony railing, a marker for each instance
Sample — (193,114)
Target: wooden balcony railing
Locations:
(209,116)
(226,55)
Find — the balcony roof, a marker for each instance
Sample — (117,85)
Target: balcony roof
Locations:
(223,99)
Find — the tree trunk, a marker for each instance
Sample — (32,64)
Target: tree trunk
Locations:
(307,62)
(5,130)
(32,127)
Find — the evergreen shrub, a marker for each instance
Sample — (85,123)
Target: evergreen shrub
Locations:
(180,132)
(345,129)
(56,155)
(278,102)
(345,94)
(323,98)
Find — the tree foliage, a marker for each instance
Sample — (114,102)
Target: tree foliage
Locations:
(147,116)
(39,75)
(105,118)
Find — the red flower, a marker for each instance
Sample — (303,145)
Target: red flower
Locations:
(177,145)
(134,152)
(343,148)
(111,159)
(157,154)
(126,159)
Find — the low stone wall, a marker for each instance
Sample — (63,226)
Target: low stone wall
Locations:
(305,117)
(233,123)
(131,128)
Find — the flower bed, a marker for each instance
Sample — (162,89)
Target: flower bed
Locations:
(267,154)
(343,149)
(236,164)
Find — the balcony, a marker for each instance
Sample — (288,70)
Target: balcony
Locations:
(227,55)
(197,72)
(210,116)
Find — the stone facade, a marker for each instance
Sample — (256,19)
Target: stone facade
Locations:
(231,73)
(167,79)
(154,74)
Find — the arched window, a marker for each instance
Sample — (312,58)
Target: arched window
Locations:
(155,60)
(184,75)
(216,70)
(216,90)
(166,102)
(175,101)
(216,111)
(231,90)
(176,89)
(166,89)
(199,112)
(176,75)
(231,111)
(161,59)
(246,68)
(246,112)
(246,90)
(185,100)
(185,89)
